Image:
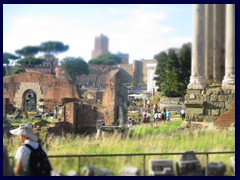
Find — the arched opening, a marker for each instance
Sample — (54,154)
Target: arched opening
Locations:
(29,101)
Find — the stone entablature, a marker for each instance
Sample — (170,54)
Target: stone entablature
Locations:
(207,104)
(45,86)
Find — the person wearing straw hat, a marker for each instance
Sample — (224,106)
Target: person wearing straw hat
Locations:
(27,137)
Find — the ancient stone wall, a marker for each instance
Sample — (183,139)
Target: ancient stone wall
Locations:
(127,74)
(114,99)
(83,116)
(138,71)
(207,104)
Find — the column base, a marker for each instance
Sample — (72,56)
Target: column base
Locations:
(228,86)
(197,83)
(228,82)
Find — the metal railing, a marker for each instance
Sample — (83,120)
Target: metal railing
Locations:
(80,156)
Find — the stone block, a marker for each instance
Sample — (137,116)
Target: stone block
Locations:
(200,118)
(219,105)
(161,167)
(214,97)
(210,118)
(215,112)
(216,169)
(194,103)
(209,105)
(207,112)
(192,96)
(223,111)
(206,98)
(223,98)
(93,171)
(232,159)
(198,111)
(189,165)
(129,171)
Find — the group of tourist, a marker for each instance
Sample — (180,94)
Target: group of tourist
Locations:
(162,116)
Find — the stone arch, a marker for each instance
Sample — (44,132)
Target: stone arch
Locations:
(29,100)
(23,88)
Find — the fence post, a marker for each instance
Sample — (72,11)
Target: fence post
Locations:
(79,165)
(144,165)
(206,169)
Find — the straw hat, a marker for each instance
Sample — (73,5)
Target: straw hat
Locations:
(25,130)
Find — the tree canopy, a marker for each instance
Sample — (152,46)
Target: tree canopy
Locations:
(73,67)
(7,59)
(173,71)
(30,62)
(8,56)
(103,63)
(106,59)
(28,51)
(53,47)
(17,70)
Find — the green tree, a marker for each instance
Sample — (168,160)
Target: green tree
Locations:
(104,63)
(17,70)
(185,66)
(173,71)
(74,67)
(28,56)
(51,49)
(7,58)
(160,77)
(30,62)
(28,51)
(171,86)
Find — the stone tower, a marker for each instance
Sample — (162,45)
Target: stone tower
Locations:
(101,46)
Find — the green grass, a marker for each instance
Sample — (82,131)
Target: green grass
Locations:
(144,139)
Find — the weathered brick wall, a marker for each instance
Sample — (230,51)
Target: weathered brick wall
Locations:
(45,86)
(114,99)
(82,115)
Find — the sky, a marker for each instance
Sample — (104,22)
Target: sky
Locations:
(140,30)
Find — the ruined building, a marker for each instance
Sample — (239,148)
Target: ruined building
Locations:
(211,91)
(35,91)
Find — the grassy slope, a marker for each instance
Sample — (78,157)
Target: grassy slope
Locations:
(145,139)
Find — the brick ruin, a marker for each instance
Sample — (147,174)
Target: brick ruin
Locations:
(48,89)
(115,99)
(51,92)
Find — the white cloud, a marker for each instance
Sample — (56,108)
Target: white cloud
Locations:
(140,32)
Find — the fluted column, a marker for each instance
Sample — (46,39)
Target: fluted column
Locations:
(197,79)
(217,42)
(223,30)
(229,78)
(209,43)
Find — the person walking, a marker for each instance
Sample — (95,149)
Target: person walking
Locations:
(31,157)
(168,114)
(183,114)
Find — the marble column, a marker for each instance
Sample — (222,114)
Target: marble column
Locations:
(229,78)
(209,43)
(197,79)
(217,41)
(222,52)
